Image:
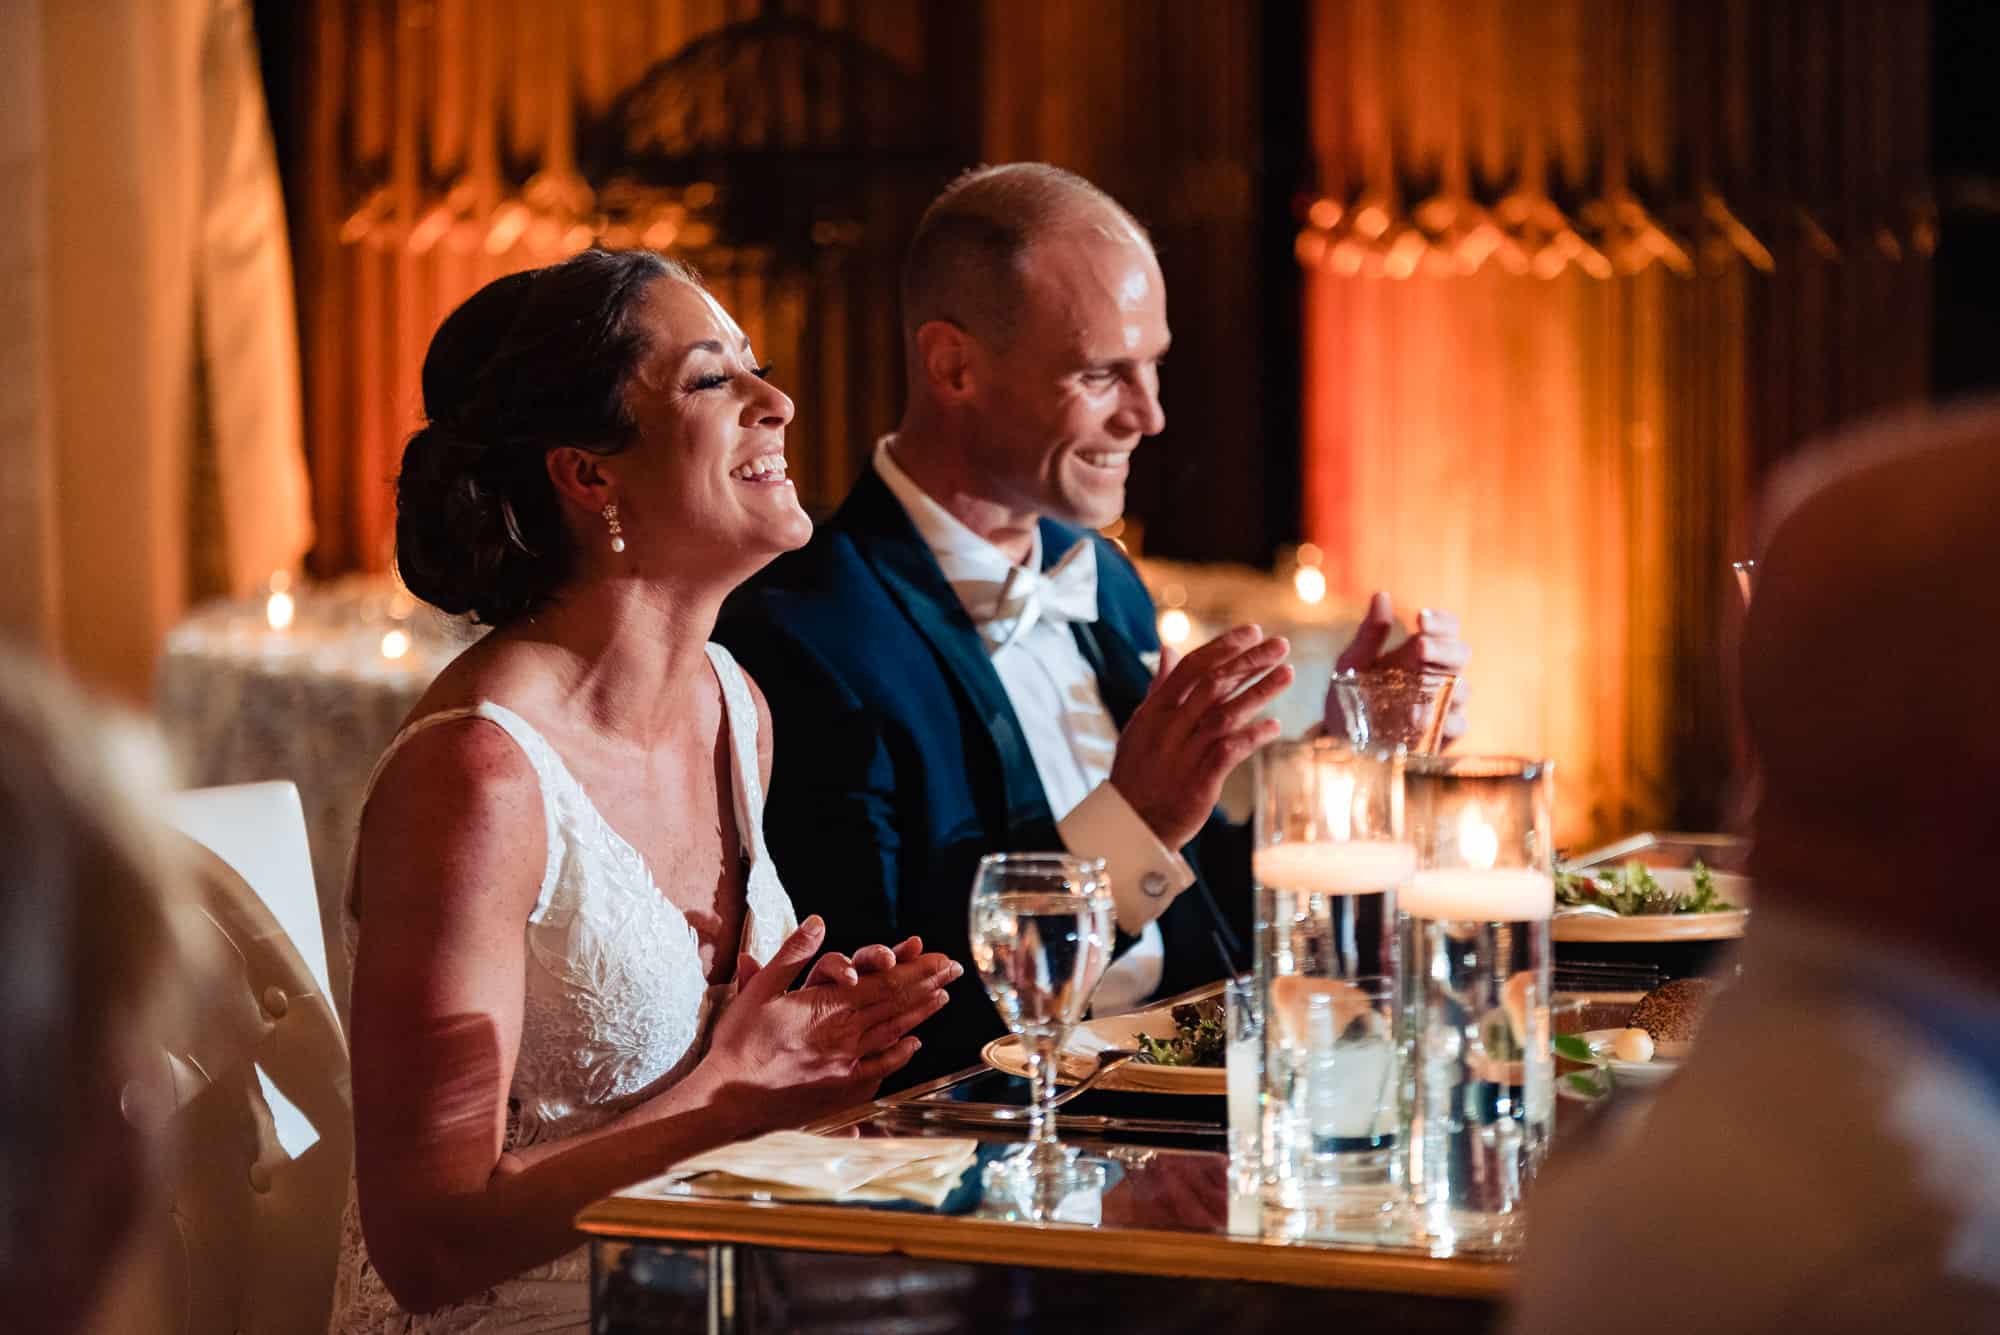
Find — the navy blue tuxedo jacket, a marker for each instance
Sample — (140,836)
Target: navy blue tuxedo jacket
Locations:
(899,761)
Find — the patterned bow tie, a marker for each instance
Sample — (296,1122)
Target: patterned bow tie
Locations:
(1066,591)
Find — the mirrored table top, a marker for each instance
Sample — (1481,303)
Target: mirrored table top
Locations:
(1170,1204)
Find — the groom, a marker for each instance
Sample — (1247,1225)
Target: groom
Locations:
(958,665)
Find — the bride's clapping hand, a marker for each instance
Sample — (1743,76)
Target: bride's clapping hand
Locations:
(822,1048)
(836,969)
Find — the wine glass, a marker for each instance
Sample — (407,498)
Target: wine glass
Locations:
(1041,927)
(1391,707)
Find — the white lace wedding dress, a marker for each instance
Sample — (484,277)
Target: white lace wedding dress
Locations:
(616,1009)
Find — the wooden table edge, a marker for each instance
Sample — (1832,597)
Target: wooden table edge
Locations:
(993,1242)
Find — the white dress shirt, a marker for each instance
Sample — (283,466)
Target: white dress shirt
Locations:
(1070,734)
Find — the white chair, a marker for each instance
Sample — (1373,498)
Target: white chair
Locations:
(259,829)
(248,1236)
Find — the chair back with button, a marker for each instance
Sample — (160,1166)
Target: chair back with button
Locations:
(260,1122)
(259,829)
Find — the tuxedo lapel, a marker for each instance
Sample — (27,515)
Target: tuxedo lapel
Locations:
(1122,678)
(890,543)
(1110,644)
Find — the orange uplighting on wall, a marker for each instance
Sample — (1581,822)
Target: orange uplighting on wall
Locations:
(1541,403)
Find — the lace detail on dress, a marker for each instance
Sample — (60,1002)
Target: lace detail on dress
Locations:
(615,1007)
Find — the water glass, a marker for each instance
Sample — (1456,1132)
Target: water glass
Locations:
(1243,1058)
(1352,1104)
(1393,708)
(1474,922)
(1041,926)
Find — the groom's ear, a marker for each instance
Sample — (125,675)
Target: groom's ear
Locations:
(947,357)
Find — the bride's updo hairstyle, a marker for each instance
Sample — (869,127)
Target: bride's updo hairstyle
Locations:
(529,363)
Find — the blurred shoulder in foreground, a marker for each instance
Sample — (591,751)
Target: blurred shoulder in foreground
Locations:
(1826,1160)
(86,989)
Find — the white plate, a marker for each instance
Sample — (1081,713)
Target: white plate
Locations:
(1079,1056)
(1638,1074)
(1570,925)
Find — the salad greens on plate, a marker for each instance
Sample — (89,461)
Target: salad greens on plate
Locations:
(1197,1041)
(1631,889)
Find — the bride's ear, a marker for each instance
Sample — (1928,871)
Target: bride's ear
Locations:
(579,478)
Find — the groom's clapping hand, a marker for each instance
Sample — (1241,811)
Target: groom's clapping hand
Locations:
(1201,719)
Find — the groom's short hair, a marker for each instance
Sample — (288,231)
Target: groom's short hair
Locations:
(965,263)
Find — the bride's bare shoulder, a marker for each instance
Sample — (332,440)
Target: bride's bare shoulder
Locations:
(499,668)
(456,813)
(465,791)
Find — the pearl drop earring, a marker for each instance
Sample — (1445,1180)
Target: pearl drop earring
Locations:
(617,530)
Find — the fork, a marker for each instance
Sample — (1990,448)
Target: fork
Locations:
(1109,1060)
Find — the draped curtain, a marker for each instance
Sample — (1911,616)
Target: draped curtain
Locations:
(1575,272)
(151,444)
(441,150)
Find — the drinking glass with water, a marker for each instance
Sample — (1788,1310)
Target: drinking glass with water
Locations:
(1042,933)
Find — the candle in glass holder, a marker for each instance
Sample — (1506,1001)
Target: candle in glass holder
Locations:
(1329,860)
(1474,927)
(1356,867)
(1496,895)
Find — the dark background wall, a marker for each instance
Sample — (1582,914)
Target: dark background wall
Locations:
(1965,157)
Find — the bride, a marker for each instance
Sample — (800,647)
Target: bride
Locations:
(571,953)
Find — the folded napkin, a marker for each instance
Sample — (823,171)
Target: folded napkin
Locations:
(790,1165)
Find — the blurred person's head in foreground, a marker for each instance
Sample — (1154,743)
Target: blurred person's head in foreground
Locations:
(1865,666)
(88,947)
(1823,1160)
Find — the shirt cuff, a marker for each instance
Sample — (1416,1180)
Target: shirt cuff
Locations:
(1146,875)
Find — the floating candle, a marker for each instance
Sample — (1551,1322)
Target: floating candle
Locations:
(1352,867)
(1504,894)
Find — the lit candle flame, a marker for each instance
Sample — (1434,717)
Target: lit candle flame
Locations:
(278,609)
(1175,626)
(1309,582)
(395,644)
(1337,811)
(1477,843)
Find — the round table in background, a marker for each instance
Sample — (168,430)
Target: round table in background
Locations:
(315,701)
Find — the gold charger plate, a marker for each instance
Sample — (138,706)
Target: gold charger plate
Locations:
(1644,927)
(1079,1056)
